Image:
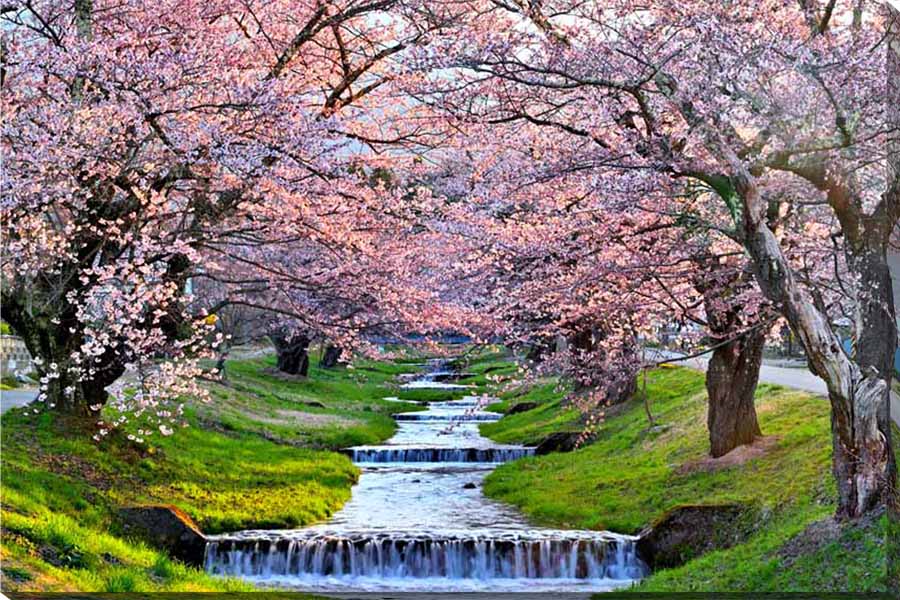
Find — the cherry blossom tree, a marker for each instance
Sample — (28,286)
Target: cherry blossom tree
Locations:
(149,143)
(613,164)
(772,106)
(578,271)
(362,274)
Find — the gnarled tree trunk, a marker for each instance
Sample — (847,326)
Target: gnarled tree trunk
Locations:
(892,197)
(54,343)
(293,352)
(330,357)
(858,389)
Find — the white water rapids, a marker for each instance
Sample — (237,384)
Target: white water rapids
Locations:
(417,521)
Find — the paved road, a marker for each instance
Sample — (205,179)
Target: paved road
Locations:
(14,398)
(800,379)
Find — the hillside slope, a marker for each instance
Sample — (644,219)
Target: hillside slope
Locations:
(632,474)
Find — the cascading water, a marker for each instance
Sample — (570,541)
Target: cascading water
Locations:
(446,415)
(417,521)
(564,556)
(391,454)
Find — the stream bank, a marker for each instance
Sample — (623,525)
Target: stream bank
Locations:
(418,521)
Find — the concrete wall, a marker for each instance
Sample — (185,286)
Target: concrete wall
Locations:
(14,356)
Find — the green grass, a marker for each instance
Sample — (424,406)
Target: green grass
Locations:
(631,475)
(352,411)
(853,562)
(8,382)
(532,426)
(486,366)
(259,455)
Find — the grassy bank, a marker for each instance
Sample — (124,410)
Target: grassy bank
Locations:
(632,474)
(259,455)
(530,427)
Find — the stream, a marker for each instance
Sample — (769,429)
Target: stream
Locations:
(418,522)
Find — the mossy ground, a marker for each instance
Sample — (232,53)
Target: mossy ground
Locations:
(259,455)
(632,474)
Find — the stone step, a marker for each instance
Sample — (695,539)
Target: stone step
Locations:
(402,454)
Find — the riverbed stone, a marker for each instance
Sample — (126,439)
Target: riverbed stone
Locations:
(521,407)
(168,528)
(687,531)
(562,441)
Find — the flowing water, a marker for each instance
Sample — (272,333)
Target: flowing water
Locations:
(417,521)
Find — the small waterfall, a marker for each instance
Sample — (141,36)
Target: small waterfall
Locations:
(394,454)
(481,558)
(431,416)
(437,376)
(469,401)
(409,526)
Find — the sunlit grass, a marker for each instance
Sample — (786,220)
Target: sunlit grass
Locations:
(254,457)
(631,475)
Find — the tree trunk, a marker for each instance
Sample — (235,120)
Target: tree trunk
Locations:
(892,197)
(537,351)
(293,355)
(863,463)
(330,357)
(54,344)
(868,425)
(733,370)
(731,380)
(221,360)
(594,368)
(622,391)
(82,399)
